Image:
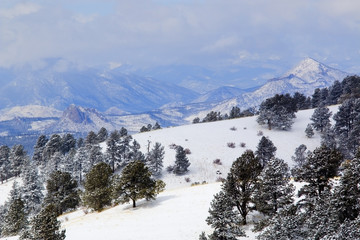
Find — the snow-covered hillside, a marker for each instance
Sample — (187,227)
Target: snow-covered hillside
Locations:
(180,211)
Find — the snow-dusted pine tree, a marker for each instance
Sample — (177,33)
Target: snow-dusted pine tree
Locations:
(265,150)
(321,118)
(154,159)
(223,219)
(181,161)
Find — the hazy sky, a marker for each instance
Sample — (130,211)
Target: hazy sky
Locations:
(212,33)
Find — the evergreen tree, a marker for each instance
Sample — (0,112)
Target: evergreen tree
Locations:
(309,132)
(32,188)
(335,93)
(321,118)
(274,190)
(134,153)
(95,156)
(91,138)
(235,113)
(39,149)
(17,158)
(300,155)
(224,219)
(324,94)
(328,138)
(102,135)
(351,88)
(316,98)
(80,159)
(123,132)
(54,163)
(241,182)
(348,230)
(203,236)
(5,167)
(68,143)
(61,192)
(154,159)
(181,161)
(15,219)
(301,101)
(52,146)
(319,167)
(136,183)
(156,126)
(265,150)
(113,149)
(45,226)
(277,112)
(98,188)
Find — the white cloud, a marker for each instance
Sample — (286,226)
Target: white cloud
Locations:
(19,10)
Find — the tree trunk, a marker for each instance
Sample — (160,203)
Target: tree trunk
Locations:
(134,203)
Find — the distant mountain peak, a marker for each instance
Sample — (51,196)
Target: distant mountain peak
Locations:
(311,70)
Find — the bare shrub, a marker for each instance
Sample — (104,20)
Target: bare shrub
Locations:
(173,146)
(170,169)
(204,182)
(242,144)
(260,133)
(220,179)
(233,128)
(231,144)
(187,151)
(195,184)
(187,179)
(217,161)
(245,128)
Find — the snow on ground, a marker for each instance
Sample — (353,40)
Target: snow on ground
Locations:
(180,211)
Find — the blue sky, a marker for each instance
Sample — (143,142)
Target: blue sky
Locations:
(220,34)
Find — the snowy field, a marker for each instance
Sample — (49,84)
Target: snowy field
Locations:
(180,211)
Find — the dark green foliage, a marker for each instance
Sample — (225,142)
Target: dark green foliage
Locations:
(265,150)
(102,135)
(223,219)
(17,158)
(309,132)
(334,93)
(62,192)
(156,126)
(212,117)
(277,112)
(68,143)
(319,167)
(123,132)
(351,88)
(38,150)
(5,167)
(241,181)
(136,183)
(273,190)
(316,98)
(203,236)
(15,219)
(301,101)
(321,118)
(196,120)
(52,146)
(181,161)
(45,226)
(235,113)
(154,159)
(98,189)
(91,138)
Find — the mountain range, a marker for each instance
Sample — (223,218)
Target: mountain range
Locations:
(79,101)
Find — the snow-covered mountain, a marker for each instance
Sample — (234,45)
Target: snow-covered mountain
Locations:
(92,88)
(308,75)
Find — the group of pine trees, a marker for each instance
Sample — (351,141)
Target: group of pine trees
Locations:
(118,173)
(328,207)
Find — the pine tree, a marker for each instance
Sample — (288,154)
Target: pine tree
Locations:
(273,190)
(52,146)
(321,118)
(309,131)
(68,143)
(5,167)
(181,161)
(224,219)
(316,98)
(45,226)
(265,150)
(235,113)
(54,163)
(15,219)
(335,93)
(156,126)
(32,188)
(136,183)
(80,159)
(241,182)
(203,236)
(277,112)
(91,138)
(328,138)
(98,188)
(17,158)
(61,192)
(39,149)
(102,135)
(95,156)
(154,159)
(123,132)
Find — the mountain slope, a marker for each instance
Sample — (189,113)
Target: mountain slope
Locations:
(89,88)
